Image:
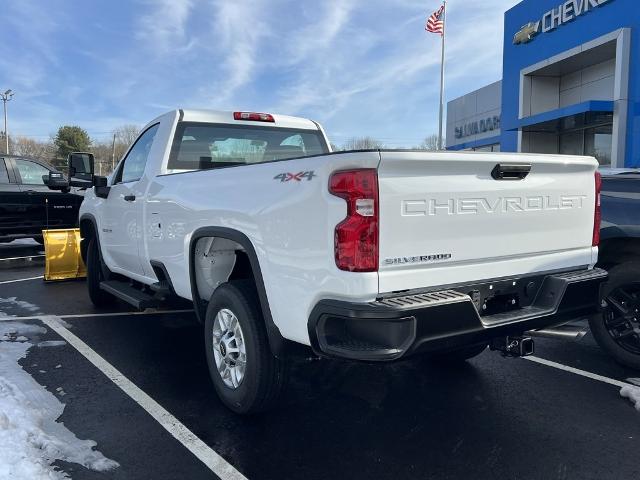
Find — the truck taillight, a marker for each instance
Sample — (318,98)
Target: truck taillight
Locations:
(356,237)
(597,216)
(254,117)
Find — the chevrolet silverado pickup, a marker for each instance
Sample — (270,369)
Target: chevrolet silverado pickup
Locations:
(27,205)
(286,248)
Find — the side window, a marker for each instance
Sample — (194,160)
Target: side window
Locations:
(4,175)
(133,166)
(31,172)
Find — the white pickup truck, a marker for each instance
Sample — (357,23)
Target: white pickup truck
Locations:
(285,247)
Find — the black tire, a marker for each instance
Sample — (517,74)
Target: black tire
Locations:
(95,275)
(264,376)
(624,277)
(461,354)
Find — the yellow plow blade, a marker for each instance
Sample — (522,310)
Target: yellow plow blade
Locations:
(62,254)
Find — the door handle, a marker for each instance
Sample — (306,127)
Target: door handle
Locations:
(130,198)
(505,171)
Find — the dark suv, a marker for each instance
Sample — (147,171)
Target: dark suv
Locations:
(27,206)
(618,329)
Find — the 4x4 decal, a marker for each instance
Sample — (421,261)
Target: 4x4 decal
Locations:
(296,177)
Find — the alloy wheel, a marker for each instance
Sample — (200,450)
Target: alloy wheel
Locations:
(229,348)
(622,316)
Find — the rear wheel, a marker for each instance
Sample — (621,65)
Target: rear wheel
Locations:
(95,275)
(617,329)
(247,377)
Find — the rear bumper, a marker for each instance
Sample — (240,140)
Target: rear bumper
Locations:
(437,321)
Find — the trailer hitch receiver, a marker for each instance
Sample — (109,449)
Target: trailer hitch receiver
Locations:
(513,346)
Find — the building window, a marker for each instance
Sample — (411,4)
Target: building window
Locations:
(598,143)
(488,148)
(594,142)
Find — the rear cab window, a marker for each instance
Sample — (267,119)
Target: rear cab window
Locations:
(203,146)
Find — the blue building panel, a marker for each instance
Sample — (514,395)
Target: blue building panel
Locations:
(597,18)
(584,107)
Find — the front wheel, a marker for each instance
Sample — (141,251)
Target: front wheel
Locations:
(617,329)
(95,275)
(247,377)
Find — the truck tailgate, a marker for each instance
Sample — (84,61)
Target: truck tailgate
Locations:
(445,220)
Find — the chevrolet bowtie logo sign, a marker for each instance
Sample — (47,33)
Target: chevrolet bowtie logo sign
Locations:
(526,33)
(556,17)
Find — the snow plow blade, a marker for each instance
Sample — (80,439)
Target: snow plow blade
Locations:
(62,254)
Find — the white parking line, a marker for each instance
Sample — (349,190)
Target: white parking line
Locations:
(577,371)
(115,314)
(20,258)
(89,315)
(21,280)
(171,424)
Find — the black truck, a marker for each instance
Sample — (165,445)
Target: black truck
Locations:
(27,205)
(617,330)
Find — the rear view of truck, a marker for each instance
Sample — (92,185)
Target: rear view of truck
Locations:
(470,249)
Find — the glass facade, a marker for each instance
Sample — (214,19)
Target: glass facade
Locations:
(486,148)
(588,133)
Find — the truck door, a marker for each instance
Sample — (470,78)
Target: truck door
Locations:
(47,208)
(121,222)
(13,204)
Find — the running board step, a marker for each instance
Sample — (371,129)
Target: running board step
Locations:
(129,294)
(161,288)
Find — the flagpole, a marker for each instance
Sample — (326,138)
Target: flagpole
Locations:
(444,33)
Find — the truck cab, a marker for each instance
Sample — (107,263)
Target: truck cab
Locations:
(27,205)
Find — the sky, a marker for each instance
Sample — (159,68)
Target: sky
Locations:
(359,67)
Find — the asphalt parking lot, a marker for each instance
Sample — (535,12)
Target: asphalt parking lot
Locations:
(137,384)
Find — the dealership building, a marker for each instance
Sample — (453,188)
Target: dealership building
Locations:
(570,85)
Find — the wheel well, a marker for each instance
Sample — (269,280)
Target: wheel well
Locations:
(216,261)
(617,250)
(235,248)
(87,232)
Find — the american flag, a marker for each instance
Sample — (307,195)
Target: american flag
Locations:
(435,23)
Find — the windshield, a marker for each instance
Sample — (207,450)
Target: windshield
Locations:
(199,146)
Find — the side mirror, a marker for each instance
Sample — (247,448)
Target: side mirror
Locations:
(55,181)
(81,169)
(101,186)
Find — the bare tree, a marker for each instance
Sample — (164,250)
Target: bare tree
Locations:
(430,143)
(102,154)
(32,148)
(362,143)
(125,136)
(103,151)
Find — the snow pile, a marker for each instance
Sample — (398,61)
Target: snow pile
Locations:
(632,392)
(30,438)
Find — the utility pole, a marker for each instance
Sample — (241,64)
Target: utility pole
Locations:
(113,153)
(6,97)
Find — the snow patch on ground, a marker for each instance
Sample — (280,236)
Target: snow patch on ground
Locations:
(11,306)
(52,343)
(632,392)
(30,438)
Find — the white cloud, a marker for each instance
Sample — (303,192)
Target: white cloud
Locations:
(239,28)
(362,67)
(165,26)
